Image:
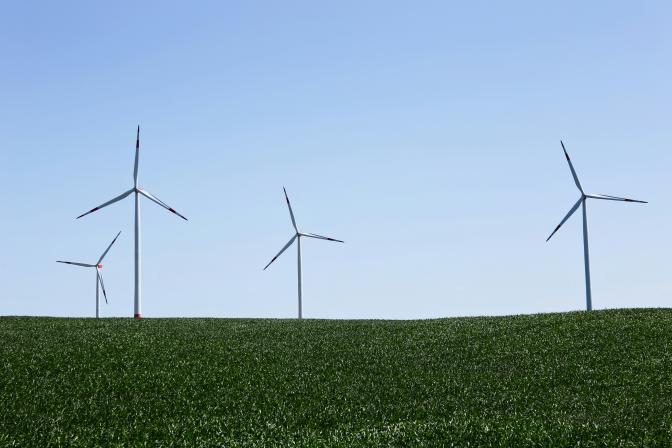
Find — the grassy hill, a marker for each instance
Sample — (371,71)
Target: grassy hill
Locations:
(576,379)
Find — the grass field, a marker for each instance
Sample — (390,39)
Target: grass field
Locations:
(576,379)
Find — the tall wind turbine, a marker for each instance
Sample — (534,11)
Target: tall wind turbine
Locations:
(297,236)
(582,202)
(138,191)
(99,274)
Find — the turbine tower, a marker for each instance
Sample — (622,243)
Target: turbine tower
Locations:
(297,236)
(99,275)
(582,203)
(138,191)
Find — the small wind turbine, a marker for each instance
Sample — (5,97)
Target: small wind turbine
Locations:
(99,275)
(297,236)
(582,202)
(138,191)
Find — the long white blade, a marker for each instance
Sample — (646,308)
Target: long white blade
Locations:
(153,198)
(571,167)
(606,197)
(571,212)
(281,251)
(111,201)
(77,264)
(102,285)
(291,213)
(108,248)
(320,237)
(137,156)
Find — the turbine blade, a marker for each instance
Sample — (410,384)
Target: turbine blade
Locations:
(108,248)
(320,237)
(606,197)
(571,167)
(571,212)
(282,250)
(111,201)
(77,264)
(137,156)
(102,285)
(153,198)
(291,213)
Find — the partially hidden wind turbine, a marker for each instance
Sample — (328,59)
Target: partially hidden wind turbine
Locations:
(582,202)
(138,191)
(99,275)
(297,236)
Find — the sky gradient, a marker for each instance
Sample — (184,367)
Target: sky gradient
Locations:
(424,134)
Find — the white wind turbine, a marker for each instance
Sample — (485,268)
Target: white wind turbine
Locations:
(99,275)
(138,191)
(297,236)
(582,202)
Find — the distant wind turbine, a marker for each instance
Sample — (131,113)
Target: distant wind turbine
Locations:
(582,202)
(99,275)
(297,236)
(138,191)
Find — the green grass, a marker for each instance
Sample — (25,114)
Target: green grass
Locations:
(576,379)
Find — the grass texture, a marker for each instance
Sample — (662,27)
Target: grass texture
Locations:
(575,379)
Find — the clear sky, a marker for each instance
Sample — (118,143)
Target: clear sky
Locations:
(424,134)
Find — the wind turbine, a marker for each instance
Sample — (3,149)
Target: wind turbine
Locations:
(297,236)
(582,202)
(99,275)
(138,191)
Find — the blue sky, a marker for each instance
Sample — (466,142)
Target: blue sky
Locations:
(424,134)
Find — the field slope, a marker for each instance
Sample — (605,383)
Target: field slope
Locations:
(575,379)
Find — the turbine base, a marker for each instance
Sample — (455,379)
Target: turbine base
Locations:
(136,316)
